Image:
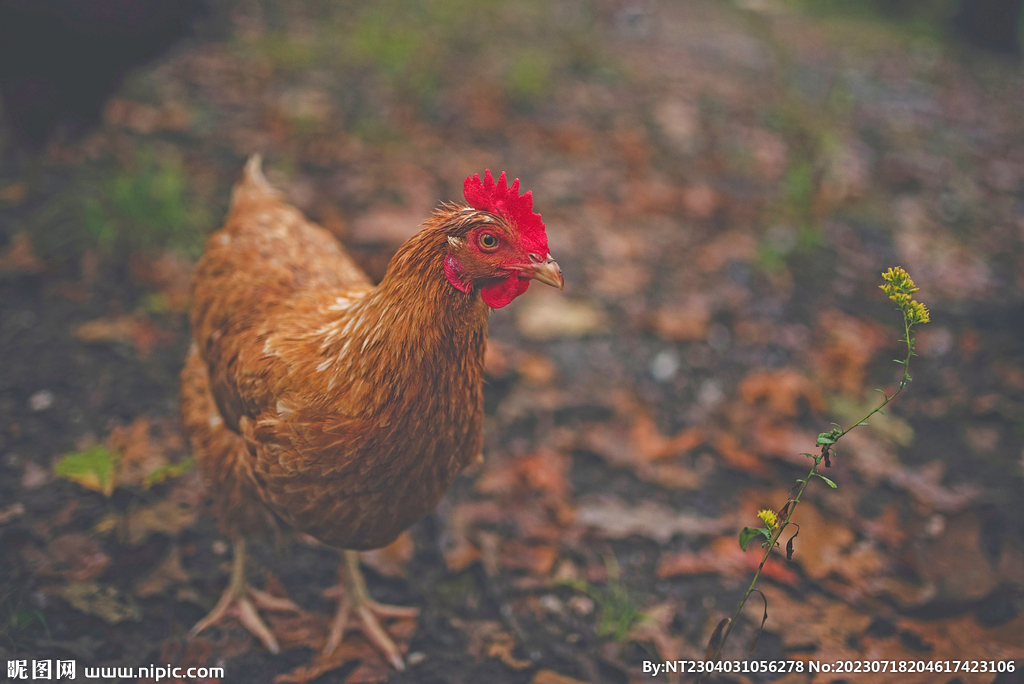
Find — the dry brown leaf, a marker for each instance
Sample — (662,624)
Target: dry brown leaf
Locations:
(781,392)
(686,322)
(167,573)
(20,257)
(723,556)
(551,316)
(536,559)
(496,359)
(310,630)
(782,440)
(14,193)
(487,638)
(175,512)
(501,646)
(958,638)
(103,601)
(170,274)
(12,512)
(140,457)
(552,677)
(615,519)
(827,547)
(812,620)
(391,560)
(729,246)
(196,652)
(957,564)
(536,369)
(145,118)
(654,627)
(873,457)
(638,446)
(849,346)
(78,557)
(458,548)
(728,447)
(135,330)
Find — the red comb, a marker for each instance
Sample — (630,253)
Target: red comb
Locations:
(498,198)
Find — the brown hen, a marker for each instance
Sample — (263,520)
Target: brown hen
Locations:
(343,409)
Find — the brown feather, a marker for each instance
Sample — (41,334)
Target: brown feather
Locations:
(345,409)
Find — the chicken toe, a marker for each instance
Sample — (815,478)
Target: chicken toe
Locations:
(356,609)
(241,601)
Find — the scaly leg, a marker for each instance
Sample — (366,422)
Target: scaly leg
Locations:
(240,600)
(355,601)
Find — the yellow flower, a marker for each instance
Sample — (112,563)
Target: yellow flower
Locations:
(899,287)
(769,518)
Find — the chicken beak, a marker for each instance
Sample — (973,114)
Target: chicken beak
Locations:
(547,272)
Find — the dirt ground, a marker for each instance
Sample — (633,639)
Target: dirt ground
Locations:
(722,184)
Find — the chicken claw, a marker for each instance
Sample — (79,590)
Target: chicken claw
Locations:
(354,599)
(241,601)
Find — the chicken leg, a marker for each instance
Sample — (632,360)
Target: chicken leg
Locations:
(240,600)
(355,601)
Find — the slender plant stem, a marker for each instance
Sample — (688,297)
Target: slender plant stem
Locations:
(774,540)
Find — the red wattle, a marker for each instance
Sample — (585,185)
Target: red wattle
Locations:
(501,292)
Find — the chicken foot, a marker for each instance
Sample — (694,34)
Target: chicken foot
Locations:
(241,601)
(355,601)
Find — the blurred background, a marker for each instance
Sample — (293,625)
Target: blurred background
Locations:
(722,182)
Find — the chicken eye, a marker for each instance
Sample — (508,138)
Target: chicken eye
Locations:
(488,242)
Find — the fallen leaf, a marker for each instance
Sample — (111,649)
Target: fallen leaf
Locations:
(35,476)
(728,246)
(874,457)
(175,512)
(391,560)
(536,559)
(20,257)
(723,556)
(654,626)
(728,447)
(94,468)
(536,369)
(812,620)
(135,330)
(956,561)
(78,557)
(685,322)
(781,392)
(615,519)
(641,447)
(103,601)
(167,573)
(552,677)
(826,546)
(14,193)
(849,411)
(849,345)
(500,646)
(456,545)
(548,317)
(170,274)
(12,512)
(145,452)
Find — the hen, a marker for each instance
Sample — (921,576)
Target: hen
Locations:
(343,409)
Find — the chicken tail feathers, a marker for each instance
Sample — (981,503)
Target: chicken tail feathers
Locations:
(253,184)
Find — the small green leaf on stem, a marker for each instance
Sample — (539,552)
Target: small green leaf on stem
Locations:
(749,533)
(829,482)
